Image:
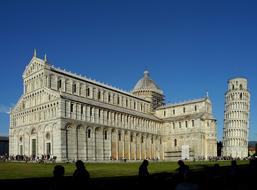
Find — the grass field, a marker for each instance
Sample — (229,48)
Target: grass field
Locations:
(13,170)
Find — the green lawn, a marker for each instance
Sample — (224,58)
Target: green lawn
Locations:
(12,170)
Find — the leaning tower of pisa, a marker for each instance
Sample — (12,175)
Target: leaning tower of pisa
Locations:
(236,119)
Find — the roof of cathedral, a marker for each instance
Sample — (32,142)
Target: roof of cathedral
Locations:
(202,115)
(185,102)
(147,84)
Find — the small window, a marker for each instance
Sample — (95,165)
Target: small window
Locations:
(173,124)
(99,95)
(179,124)
(193,123)
(88,91)
(59,84)
(131,138)
(195,107)
(108,115)
(91,111)
(240,87)
(89,133)
(184,110)
(82,110)
(119,136)
(126,103)
(118,100)
(175,142)
(142,139)
(174,112)
(241,96)
(164,113)
(186,123)
(109,98)
(74,88)
(71,107)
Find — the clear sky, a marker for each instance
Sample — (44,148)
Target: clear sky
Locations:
(189,47)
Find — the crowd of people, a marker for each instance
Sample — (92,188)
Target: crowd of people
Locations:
(33,158)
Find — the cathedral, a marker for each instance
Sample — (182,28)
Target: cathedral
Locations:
(72,117)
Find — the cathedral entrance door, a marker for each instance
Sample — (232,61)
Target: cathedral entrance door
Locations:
(33,148)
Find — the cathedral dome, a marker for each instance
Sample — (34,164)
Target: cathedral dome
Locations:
(147,84)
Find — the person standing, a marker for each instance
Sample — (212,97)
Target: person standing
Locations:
(81,175)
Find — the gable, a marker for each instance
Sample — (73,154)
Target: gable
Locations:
(34,66)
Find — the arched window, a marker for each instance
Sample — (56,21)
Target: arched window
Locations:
(175,142)
(240,87)
(89,133)
(241,96)
(184,109)
(119,136)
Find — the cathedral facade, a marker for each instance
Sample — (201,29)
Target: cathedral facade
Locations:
(72,117)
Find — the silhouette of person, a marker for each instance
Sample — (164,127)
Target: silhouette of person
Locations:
(59,182)
(233,175)
(181,170)
(143,174)
(80,176)
(216,177)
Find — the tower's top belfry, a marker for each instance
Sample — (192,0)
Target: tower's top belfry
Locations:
(239,83)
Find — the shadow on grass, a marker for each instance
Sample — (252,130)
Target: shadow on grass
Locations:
(202,175)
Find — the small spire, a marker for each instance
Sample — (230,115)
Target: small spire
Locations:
(45,58)
(207,94)
(35,53)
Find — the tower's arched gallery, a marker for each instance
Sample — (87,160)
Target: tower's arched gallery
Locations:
(73,117)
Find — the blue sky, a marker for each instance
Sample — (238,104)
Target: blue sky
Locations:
(189,47)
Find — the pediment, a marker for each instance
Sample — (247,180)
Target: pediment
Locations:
(34,66)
